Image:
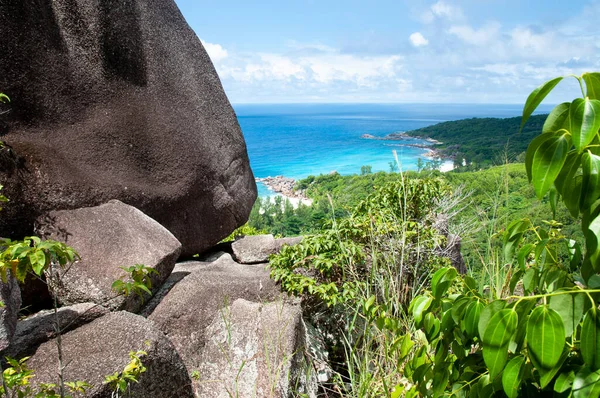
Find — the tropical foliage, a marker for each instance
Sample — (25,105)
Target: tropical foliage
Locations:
(540,335)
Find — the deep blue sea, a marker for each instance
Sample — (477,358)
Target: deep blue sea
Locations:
(297,140)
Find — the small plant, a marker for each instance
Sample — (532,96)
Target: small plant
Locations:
(120,382)
(139,282)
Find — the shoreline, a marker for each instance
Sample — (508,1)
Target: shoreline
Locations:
(284,186)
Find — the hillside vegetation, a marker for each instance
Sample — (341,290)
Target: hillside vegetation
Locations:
(482,141)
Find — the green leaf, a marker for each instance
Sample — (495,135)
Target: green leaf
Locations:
(590,184)
(487,313)
(513,376)
(586,384)
(472,318)
(570,307)
(420,305)
(590,339)
(523,254)
(545,337)
(584,120)
(564,382)
(512,237)
(592,85)
(557,119)
(441,281)
(568,182)
(590,224)
(530,280)
(459,307)
(549,156)
(37,259)
(497,336)
(536,97)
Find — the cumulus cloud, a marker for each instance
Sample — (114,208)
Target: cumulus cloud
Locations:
(418,40)
(457,61)
(477,37)
(442,10)
(215,51)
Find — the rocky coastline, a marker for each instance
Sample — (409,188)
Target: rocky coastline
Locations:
(431,152)
(284,186)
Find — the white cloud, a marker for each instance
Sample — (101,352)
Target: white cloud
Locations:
(215,51)
(477,37)
(418,40)
(442,10)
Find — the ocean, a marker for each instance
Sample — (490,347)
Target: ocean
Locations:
(298,140)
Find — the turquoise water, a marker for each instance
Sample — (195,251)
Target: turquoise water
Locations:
(297,140)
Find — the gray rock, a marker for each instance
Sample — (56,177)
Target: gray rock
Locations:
(40,327)
(10,294)
(251,350)
(254,249)
(108,237)
(188,308)
(102,348)
(119,100)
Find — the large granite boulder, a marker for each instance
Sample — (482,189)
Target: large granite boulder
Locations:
(108,237)
(196,292)
(117,99)
(41,326)
(102,348)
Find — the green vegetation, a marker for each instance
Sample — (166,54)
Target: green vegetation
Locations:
(479,140)
(526,323)
(539,335)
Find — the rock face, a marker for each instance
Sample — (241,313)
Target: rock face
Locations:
(250,351)
(39,328)
(189,307)
(257,249)
(102,348)
(108,237)
(10,295)
(118,100)
(253,249)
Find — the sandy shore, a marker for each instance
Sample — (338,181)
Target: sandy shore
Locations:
(284,187)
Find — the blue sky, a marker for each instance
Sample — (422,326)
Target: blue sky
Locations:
(471,51)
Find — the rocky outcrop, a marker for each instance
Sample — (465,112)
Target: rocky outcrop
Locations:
(40,327)
(250,351)
(190,305)
(102,348)
(285,186)
(257,249)
(253,249)
(118,100)
(108,237)
(10,295)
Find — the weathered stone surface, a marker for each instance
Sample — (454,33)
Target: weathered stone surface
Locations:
(189,307)
(251,351)
(254,249)
(108,237)
(102,347)
(39,328)
(119,100)
(257,249)
(10,294)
